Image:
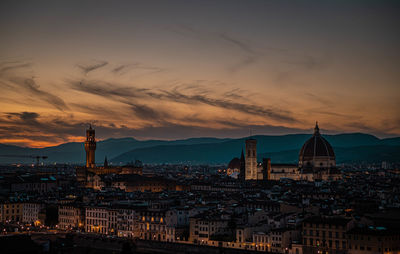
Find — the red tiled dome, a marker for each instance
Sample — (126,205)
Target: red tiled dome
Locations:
(316,146)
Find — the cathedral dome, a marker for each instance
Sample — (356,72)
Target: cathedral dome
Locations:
(317,152)
(234,163)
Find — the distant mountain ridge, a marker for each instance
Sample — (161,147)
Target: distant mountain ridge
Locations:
(284,148)
(74,152)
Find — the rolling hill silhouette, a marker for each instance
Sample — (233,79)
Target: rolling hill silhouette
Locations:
(356,147)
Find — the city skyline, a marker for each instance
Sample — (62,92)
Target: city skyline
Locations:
(200,126)
(196,69)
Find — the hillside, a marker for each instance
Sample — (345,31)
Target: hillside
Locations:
(282,148)
(74,152)
(357,147)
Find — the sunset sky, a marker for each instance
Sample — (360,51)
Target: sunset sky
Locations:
(179,69)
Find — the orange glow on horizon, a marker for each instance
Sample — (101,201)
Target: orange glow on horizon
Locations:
(27,143)
(39,144)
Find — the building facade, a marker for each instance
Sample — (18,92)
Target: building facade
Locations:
(12,212)
(325,234)
(369,240)
(251,159)
(70,217)
(97,220)
(30,213)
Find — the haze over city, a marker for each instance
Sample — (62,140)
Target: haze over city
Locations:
(180,69)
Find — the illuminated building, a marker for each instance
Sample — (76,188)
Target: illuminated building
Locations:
(70,217)
(11,211)
(87,174)
(233,169)
(127,224)
(30,212)
(205,227)
(251,159)
(97,220)
(279,171)
(152,225)
(90,147)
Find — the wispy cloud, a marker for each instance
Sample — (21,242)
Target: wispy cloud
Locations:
(31,129)
(174,109)
(320,99)
(105,89)
(30,85)
(387,127)
(250,54)
(177,94)
(332,113)
(14,65)
(238,43)
(272,113)
(247,54)
(55,129)
(120,69)
(11,77)
(24,116)
(244,63)
(307,62)
(87,68)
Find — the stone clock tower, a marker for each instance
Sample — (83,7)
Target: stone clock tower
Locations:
(90,147)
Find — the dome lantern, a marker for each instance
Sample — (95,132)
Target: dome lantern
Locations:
(316,129)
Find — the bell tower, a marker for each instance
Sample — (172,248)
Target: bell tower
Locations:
(251,159)
(90,147)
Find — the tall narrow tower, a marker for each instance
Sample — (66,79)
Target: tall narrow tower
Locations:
(251,159)
(90,147)
(242,167)
(266,168)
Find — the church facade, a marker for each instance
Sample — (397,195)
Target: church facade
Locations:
(316,161)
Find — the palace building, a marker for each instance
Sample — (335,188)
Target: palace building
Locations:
(91,170)
(129,177)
